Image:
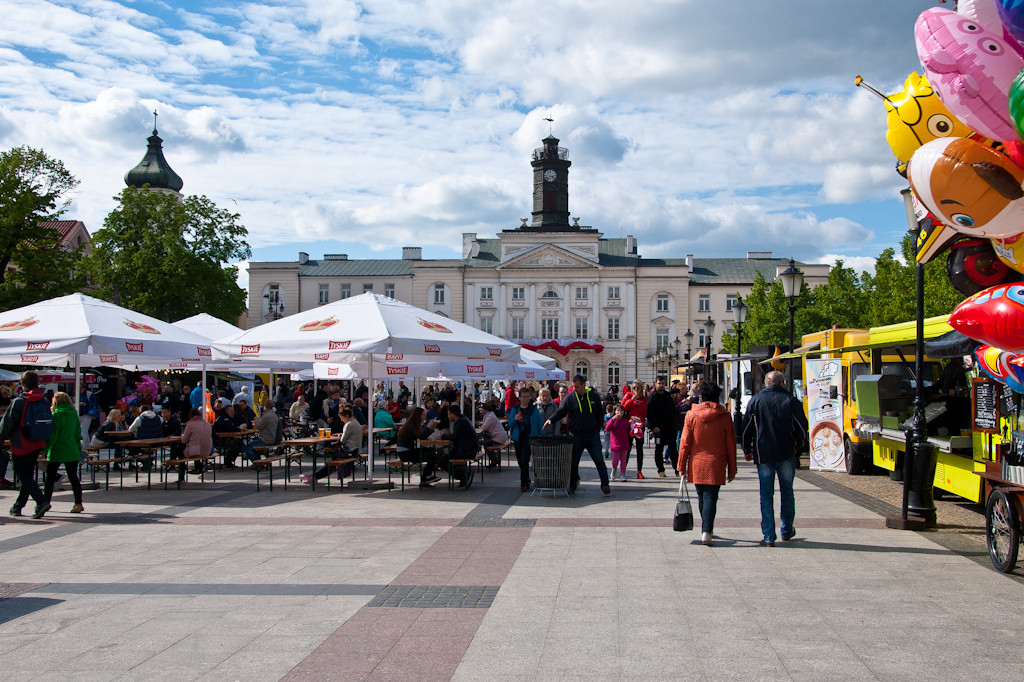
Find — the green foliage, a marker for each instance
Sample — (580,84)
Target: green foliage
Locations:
(167,257)
(33,190)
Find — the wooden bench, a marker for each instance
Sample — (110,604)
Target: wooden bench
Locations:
(452,463)
(94,462)
(493,451)
(179,461)
(393,463)
(342,461)
(268,460)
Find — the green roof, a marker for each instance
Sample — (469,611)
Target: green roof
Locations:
(390,267)
(733,270)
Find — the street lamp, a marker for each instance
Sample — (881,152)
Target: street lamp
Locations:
(689,339)
(739,314)
(709,332)
(676,345)
(792,279)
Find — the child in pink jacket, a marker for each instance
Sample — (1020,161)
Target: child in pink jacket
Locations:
(618,428)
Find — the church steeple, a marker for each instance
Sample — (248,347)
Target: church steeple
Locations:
(154,170)
(551,187)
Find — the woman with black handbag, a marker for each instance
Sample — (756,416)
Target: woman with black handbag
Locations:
(707,453)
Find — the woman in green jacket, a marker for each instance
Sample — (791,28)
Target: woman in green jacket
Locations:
(64,447)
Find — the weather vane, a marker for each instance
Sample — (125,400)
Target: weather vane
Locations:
(550,122)
(154,121)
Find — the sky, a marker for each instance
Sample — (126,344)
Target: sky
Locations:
(335,126)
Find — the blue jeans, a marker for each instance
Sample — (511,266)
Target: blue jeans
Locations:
(786,471)
(248,449)
(707,503)
(591,442)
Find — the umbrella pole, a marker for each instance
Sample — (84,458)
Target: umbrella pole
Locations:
(202,393)
(370,484)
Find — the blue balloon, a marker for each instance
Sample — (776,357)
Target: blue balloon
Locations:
(1011,12)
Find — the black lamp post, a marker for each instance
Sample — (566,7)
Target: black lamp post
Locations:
(739,314)
(792,279)
(676,345)
(709,332)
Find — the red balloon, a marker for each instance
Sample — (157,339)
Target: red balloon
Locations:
(994,316)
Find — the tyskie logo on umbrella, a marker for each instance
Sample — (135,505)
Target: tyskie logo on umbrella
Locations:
(431,348)
(529,375)
(133,347)
(140,327)
(29,358)
(433,326)
(319,325)
(494,352)
(394,357)
(175,365)
(321,356)
(474,369)
(204,352)
(37,345)
(398,371)
(18,325)
(338,345)
(191,360)
(332,371)
(251,350)
(108,358)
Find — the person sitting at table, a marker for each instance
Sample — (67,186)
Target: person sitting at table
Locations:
(359,411)
(331,408)
(244,415)
(170,426)
(464,445)
(409,451)
(394,409)
(196,436)
(146,425)
(266,428)
(299,409)
(492,432)
(348,445)
(229,447)
(382,419)
(242,395)
(102,439)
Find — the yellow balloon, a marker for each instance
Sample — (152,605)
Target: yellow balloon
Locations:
(916,115)
(1011,251)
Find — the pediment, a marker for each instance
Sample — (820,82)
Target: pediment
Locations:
(547,257)
(662,321)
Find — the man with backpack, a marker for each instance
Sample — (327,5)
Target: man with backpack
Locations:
(28,424)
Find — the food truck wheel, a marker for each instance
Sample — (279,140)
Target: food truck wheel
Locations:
(1002,531)
(856,461)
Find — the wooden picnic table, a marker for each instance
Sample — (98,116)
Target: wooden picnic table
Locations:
(149,444)
(309,445)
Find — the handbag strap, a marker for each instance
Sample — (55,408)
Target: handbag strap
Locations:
(684,490)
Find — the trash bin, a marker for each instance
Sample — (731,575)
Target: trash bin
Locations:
(552,460)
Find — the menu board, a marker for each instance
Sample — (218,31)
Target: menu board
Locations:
(985,412)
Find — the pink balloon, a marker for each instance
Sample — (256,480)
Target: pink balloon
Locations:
(971,69)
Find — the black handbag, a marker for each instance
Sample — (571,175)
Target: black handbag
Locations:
(683,519)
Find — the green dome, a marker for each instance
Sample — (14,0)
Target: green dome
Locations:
(154,170)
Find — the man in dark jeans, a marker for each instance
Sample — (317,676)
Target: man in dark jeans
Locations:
(586,419)
(464,444)
(25,452)
(662,420)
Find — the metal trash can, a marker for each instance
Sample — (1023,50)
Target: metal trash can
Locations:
(552,461)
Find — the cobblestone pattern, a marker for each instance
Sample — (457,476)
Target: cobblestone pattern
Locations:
(435,597)
(498,523)
(8,590)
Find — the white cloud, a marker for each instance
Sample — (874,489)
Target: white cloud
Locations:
(858,263)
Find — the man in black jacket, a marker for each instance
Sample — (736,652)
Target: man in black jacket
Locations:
(463,444)
(586,419)
(662,420)
(772,428)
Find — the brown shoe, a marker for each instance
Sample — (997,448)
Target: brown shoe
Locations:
(524,488)
(77,509)
(606,490)
(661,474)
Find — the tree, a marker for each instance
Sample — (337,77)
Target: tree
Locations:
(33,265)
(168,257)
(892,290)
(768,316)
(841,301)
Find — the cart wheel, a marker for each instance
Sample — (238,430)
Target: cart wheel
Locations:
(1002,531)
(855,464)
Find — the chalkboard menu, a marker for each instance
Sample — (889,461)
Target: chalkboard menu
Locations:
(985,415)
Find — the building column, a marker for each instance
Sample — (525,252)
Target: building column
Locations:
(469,315)
(567,331)
(501,324)
(632,321)
(533,306)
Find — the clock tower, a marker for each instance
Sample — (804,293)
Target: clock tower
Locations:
(551,187)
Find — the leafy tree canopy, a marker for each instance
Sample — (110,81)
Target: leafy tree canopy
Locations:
(168,257)
(34,189)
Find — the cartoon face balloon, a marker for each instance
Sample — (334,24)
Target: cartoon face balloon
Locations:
(971,68)
(972,266)
(1002,366)
(1011,12)
(916,115)
(973,189)
(994,316)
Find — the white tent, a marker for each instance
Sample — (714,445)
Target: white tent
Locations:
(537,358)
(209,326)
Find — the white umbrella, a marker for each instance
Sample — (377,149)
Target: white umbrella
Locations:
(209,326)
(538,358)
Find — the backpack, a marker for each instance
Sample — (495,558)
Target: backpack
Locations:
(36,422)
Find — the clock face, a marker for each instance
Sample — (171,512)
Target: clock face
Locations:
(550,175)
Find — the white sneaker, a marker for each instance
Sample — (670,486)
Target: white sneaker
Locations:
(706,539)
(623,478)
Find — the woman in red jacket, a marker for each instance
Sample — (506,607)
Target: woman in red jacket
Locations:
(707,453)
(635,403)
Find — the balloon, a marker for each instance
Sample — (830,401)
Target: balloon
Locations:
(971,68)
(1011,251)
(933,238)
(994,316)
(984,12)
(1011,13)
(972,266)
(973,189)
(1002,366)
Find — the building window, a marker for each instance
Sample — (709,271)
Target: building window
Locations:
(662,303)
(661,339)
(701,340)
(704,303)
(730,299)
(613,329)
(323,296)
(582,293)
(583,369)
(346,291)
(518,328)
(550,293)
(439,294)
(582,327)
(389,290)
(487,324)
(613,293)
(613,374)
(367,288)
(549,328)
(486,293)
(518,293)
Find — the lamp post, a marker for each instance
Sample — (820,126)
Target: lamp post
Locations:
(689,339)
(792,279)
(739,314)
(709,332)
(676,345)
